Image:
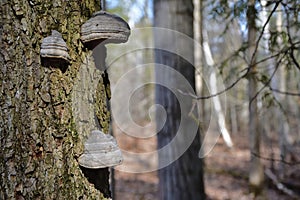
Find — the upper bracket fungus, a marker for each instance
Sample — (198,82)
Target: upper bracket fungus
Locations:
(104,28)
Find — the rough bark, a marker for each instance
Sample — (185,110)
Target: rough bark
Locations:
(39,137)
(183,179)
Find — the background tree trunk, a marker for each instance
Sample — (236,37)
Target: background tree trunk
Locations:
(256,175)
(40,141)
(183,179)
(213,88)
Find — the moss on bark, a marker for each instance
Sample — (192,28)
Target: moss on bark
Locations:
(39,139)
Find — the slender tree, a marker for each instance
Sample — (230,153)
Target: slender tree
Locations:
(256,175)
(39,138)
(213,86)
(183,179)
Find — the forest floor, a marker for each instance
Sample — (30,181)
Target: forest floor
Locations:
(225,173)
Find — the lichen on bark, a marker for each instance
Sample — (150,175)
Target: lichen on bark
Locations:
(102,112)
(38,135)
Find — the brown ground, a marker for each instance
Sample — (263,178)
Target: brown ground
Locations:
(225,173)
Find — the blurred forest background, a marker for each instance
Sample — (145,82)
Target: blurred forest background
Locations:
(222,28)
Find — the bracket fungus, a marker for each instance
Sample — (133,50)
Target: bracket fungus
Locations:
(104,27)
(54,50)
(101,151)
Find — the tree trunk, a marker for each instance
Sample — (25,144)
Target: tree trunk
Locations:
(283,122)
(41,137)
(199,62)
(183,178)
(213,88)
(256,175)
(198,21)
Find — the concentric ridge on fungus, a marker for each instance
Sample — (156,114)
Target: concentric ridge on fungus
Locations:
(55,47)
(104,27)
(101,151)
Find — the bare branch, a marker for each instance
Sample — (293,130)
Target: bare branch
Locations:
(284,51)
(290,40)
(279,185)
(263,30)
(284,92)
(218,93)
(269,81)
(275,160)
(293,58)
